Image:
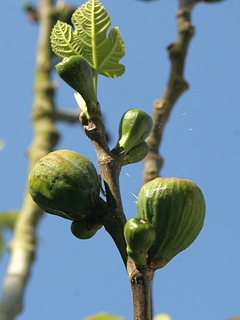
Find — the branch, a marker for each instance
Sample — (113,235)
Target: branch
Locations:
(175,87)
(68,116)
(110,169)
(23,245)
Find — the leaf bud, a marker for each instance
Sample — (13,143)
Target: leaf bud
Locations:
(140,236)
(135,126)
(76,72)
(85,228)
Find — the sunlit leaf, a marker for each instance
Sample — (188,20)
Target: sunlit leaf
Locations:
(90,39)
(2,144)
(63,41)
(162,316)
(103,316)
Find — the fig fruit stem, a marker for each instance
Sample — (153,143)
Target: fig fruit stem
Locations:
(176,85)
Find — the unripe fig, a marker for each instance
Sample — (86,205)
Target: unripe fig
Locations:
(138,153)
(65,183)
(176,208)
(140,236)
(135,126)
(85,228)
(76,72)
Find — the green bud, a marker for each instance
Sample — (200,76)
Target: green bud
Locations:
(140,236)
(85,228)
(76,72)
(138,153)
(135,126)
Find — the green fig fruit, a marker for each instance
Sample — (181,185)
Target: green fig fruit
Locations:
(64,183)
(76,72)
(140,236)
(135,126)
(176,208)
(138,153)
(85,228)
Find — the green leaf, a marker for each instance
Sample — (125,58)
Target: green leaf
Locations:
(63,41)
(90,40)
(103,316)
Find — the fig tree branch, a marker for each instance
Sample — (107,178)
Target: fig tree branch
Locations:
(23,245)
(176,85)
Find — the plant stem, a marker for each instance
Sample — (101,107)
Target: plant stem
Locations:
(175,87)
(141,285)
(95,81)
(114,220)
(23,245)
(110,169)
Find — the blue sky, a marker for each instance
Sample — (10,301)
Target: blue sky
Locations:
(72,279)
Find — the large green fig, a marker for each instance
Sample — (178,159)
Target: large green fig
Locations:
(140,236)
(76,72)
(85,228)
(176,208)
(65,183)
(135,126)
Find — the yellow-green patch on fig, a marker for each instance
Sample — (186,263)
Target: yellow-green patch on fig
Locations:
(64,183)
(176,208)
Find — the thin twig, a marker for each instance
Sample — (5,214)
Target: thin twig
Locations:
(175,87)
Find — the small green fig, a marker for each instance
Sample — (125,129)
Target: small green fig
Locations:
(64,183)
(138,153)
(85,228)
(176,208)
(140,236)
(76,72)
(135,126)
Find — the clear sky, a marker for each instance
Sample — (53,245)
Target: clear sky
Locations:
(72,279)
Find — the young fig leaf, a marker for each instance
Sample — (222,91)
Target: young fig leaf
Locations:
(90,40)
